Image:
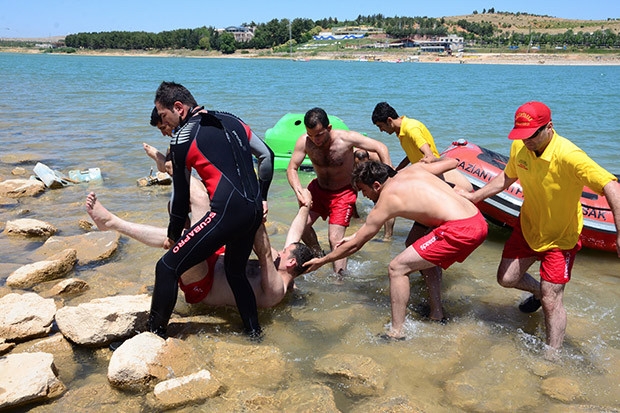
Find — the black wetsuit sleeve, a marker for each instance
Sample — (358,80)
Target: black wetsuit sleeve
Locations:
(179,203)
(264,155)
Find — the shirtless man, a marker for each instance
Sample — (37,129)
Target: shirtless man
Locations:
(206,282)
(416,193)
(331,153)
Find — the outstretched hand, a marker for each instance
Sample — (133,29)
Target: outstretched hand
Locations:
(314,264)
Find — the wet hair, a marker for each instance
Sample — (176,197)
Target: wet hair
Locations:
(382,112)
(371,172)
(169,92)
(315,116)
(155,118)
(361,155)
(302,254)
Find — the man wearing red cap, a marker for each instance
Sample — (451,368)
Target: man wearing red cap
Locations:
(552,172)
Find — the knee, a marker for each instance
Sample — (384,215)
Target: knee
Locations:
(504,280)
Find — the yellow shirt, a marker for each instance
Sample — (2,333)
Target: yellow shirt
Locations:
(551,215)
(413,135)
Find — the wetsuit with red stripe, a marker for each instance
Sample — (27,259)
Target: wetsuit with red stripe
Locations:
(217,148)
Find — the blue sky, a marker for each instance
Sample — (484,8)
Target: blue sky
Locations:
(44,18)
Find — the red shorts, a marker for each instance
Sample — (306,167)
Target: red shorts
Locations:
(452,241)
(555,264)
(339,205)
(197,291)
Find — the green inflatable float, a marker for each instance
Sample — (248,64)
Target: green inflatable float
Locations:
(284,134)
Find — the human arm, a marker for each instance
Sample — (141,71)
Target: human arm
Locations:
(297,157)
(353,243)
(358,140)
(612,193)
(299,222)
(439,165)
(180,199)
(495,186)
(272,286)
(429,156)
(403,163)
(264,155)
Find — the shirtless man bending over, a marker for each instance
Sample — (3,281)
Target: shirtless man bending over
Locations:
(206,282)
(331,153)
(456,229)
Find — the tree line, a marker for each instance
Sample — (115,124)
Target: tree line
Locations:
(297,31)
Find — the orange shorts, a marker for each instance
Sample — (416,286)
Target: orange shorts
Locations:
(339,205)
(452,241)
(556,265)
(197,291)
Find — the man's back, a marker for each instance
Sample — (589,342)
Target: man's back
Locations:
(414,193)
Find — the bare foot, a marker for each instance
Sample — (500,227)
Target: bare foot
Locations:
(154,154)
(150,151)
(103,218)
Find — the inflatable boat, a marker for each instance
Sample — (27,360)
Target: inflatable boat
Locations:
(282,137)
(480,165)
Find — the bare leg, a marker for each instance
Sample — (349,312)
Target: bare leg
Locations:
(198,199)
(399,269)
(555,313)
(107,221)
(388,229)
(336,234)
(432,278)
(512,274)
(309,235)
(158,157)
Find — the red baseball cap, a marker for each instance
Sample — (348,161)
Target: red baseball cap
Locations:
(528,119)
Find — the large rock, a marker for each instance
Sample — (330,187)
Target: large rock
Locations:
(474,389)
(359,375)
(147,359)
(561,388)
(19,188)
(33,274)
(91,247)
(27,378)
(28,227)
(104,320)
(180,391)
(25,316)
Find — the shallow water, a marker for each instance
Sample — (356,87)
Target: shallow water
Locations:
(75,112)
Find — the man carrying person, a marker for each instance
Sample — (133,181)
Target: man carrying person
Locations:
(456,228)
(331,153)
(206,282)
(552,172)
(218,149)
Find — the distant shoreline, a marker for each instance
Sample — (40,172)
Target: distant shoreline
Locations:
(393,56)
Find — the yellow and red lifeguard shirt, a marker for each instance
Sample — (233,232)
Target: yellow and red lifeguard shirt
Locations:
(551,215)
(413,135)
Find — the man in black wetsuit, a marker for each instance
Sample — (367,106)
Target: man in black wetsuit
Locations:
(217,147)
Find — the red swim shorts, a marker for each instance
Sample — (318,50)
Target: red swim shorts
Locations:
(452,241)
(556,265)
(339,205)
(195,292)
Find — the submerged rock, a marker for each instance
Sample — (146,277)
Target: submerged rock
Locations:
(28,227)
(33,274)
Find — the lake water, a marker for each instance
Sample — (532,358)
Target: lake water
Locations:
(77,112)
